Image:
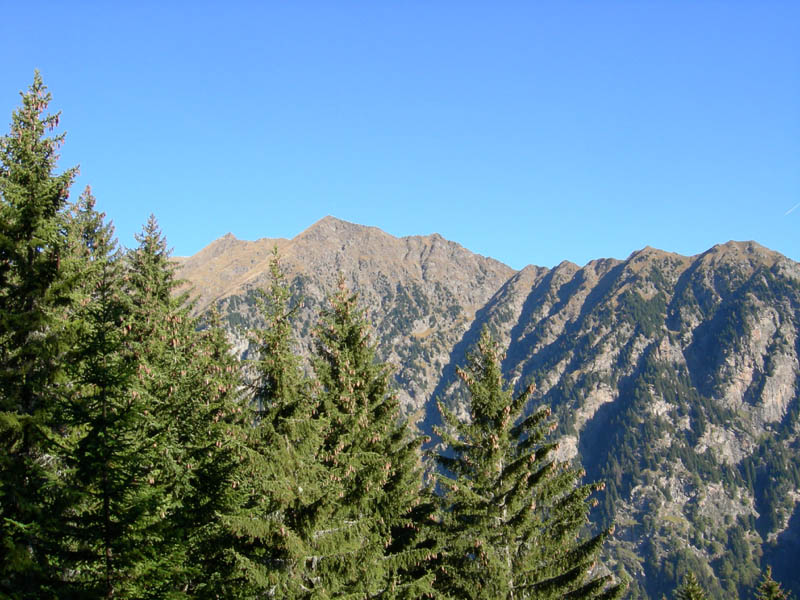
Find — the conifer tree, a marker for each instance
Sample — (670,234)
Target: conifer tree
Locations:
(133,528)
(108,531)
(512,516)
(32,198)
(382,548)
(212,437)
(289,497)
(33,295)
(190,383)
(769,589)
(690,589)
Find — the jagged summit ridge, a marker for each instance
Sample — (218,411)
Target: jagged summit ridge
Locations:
(228,265)
(421,292)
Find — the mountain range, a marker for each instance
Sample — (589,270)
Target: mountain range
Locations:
(674,379)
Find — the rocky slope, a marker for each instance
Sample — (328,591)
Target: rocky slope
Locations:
(421,293)
(674,379)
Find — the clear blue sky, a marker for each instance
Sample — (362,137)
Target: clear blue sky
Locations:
(532,132)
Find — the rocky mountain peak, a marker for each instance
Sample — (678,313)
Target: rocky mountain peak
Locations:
(743,254)
(330,228)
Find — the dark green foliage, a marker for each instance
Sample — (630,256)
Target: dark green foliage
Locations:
(771,472)
(188,384)
(33,295)
(147,427)
(279,387)
(769,589)
(288,496)
(31,245)
(647,315)
(106,470)
(380,542)
(332,479)
(513,516)
(690,589)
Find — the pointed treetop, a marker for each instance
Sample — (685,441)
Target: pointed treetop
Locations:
(27,144)
(151,240)
(690,589)
(769,589)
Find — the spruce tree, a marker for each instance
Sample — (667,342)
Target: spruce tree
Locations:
(33,296)
(381,547)
(107,534)
(189,382)
(212,436)
(769,589)
(32,200)
(512,516)
(138,525)
(690,589)
(288,494)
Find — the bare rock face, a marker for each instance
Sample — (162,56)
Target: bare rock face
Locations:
(421,293)
(674,379)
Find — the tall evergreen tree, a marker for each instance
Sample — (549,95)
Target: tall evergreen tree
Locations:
(289,496)
(512,516)
(382,547)
(333,477)
(32,200)
(33,296)
(108,472)
(769,589)
(190,385)
(208,440)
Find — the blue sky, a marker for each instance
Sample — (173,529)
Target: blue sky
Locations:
(533,132)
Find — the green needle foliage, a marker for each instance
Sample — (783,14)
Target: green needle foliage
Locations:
(769,589)
(108,472)
(148,428)
(376,545)
(31,246)
(33,295)
(192,421)
(215,447)
(690,589)
(512,516)
(288,498)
